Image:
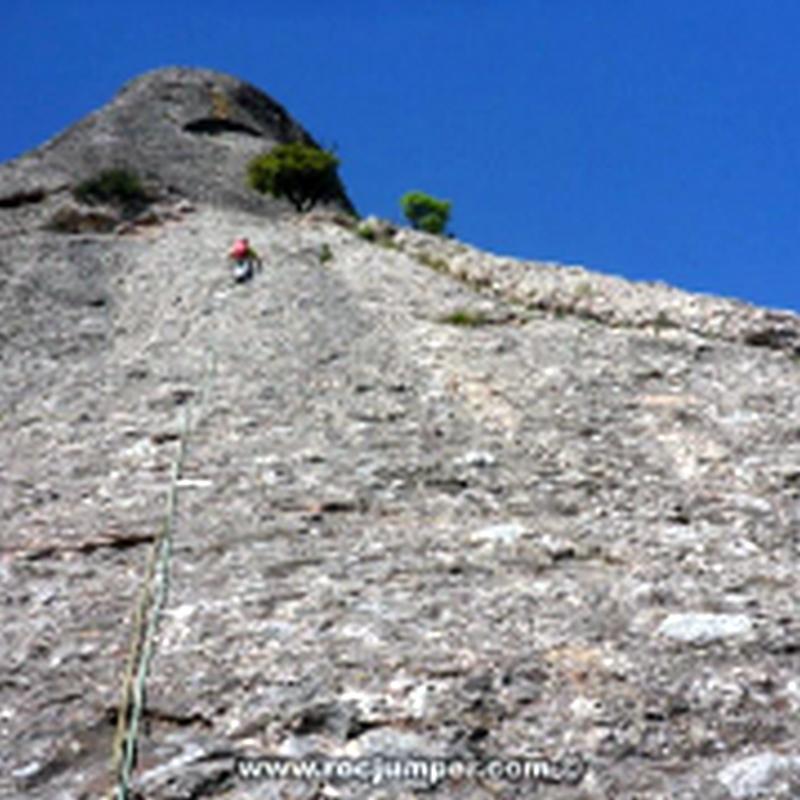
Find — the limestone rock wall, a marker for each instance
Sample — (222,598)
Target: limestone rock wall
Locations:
(434,502)
(533,532)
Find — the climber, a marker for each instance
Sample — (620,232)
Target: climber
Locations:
(245,260)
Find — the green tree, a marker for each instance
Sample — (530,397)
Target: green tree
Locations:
(118,186)
(303,174)
(424,212)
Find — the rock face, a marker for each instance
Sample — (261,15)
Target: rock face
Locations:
(189,133)
(433,503)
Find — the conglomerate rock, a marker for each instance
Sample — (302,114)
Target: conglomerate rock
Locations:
(187,133)
(434,503)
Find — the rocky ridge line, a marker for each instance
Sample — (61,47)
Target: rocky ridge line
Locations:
(606,299)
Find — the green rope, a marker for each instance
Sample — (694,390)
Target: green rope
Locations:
(148,614)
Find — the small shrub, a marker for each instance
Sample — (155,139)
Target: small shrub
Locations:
(466,318)
(663,322)
(425,213)
(436,263)
(302,174)
(366,231)
(118,187)
(77,219)
(325,254)
(377,231)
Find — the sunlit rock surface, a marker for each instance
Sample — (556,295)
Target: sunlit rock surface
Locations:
(567,525)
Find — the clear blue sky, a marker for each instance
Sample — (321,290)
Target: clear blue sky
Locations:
(652,139)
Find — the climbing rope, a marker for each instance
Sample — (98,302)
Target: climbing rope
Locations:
(151,603)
